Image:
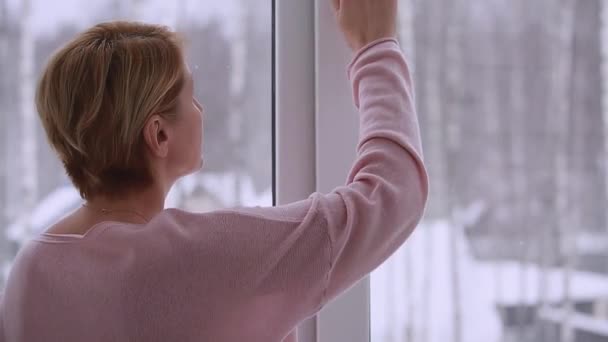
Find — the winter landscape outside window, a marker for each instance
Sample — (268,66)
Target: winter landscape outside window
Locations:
(513,107)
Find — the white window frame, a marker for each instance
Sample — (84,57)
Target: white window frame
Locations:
(313,100)
(294,103)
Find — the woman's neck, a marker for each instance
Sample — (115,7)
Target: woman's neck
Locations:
(135,207)
(147,203)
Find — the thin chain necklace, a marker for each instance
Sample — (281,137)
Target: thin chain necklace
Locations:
(108,211)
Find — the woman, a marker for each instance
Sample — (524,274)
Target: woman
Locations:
(117,106)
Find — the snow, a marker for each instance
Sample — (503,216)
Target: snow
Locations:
(592,243)
(480,321)
(578,321)
(58,203)
(483,285)
(583,286)
(55,205)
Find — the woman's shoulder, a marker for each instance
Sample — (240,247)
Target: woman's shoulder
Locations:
(295,212)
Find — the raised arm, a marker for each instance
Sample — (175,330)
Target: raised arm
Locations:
(384,199)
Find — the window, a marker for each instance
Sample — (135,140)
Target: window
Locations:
(229,50)
(514,245)
(514,118)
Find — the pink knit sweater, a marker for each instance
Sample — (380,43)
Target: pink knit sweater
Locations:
(245,274)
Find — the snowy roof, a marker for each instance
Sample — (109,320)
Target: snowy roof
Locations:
(578,321)
(583,286)
(65,199)
(592,242)
(55,205)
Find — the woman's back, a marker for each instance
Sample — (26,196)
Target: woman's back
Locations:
(182,277)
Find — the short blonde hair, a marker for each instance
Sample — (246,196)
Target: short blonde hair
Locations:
(96,94)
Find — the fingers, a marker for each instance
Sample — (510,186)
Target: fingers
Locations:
(336,4)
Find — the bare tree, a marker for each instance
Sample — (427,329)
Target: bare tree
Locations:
(407,37)
(239,89)
(438,74)
(560,110)
(4,171)
(452,80)
(429,39)
(493,115)
(517,157)
(604,86)
(29,165)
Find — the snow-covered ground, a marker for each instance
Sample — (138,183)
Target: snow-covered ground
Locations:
(482,287)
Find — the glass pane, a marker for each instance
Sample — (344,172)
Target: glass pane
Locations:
(229,53)
(512,101)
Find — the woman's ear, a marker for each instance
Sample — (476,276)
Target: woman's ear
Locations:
(156,136)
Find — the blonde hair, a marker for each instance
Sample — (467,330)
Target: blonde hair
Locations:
(96,94)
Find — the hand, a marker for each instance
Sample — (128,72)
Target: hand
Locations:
(363,21)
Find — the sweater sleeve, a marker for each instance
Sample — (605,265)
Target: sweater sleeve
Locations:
(370,217)
(366,220)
